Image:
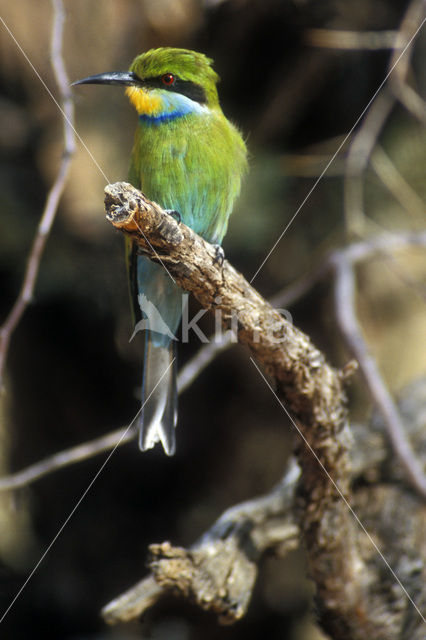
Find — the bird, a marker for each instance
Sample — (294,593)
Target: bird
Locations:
(190,159)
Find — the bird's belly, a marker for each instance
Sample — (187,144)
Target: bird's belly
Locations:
(182,166)
(194,195)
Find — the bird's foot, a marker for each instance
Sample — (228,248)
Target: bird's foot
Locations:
(175,214)
(220,255)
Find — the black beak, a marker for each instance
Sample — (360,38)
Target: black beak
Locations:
(127,78)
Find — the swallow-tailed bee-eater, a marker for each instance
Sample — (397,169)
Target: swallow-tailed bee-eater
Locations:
(190,159)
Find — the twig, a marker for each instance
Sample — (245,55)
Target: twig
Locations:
(357,160)
(355,253)
(187,375)
(193,263)
(353,40)
(395,183)
(65,458)
(367,135)
(342,263)
(218,572)
(312,389)
(206,354)
(43,230)
(311,162)
(92,448)
(413,18)
(344,300)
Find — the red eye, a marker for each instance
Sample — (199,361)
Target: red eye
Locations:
(168,79)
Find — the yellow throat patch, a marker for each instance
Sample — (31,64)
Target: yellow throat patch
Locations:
(144,102)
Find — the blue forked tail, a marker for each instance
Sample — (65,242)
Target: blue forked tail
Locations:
(159,397)
(160,302)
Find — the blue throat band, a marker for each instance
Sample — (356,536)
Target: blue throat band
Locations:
(165,117)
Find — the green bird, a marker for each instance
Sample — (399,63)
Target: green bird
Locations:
(190,159)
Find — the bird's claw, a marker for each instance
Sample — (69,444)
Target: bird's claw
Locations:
(175,214)
(219,255)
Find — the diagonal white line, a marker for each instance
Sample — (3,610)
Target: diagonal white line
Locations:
(85,492)
(73,128)
(156,254)
(132,422)
(53,98)
(339,148)
(341,495)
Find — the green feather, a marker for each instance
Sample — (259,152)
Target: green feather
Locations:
(188,157)
(193,164)
(188,65)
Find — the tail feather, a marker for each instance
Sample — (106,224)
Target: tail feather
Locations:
(159,397)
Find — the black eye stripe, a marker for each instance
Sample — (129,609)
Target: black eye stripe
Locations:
(185,87)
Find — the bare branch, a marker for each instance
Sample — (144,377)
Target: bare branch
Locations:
(413,19)
(49,213)
(342,263)
(353,40)
(218,572)
(205,355)
(316,159)
(357,161)
(260,326)
(118,437)
(364,141)
(65,458)
(384,245)
(312,389)
(396,183)
(344,300)
(314,393)
(187,375)
(192,261)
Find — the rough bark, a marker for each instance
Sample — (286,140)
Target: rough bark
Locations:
(309,388)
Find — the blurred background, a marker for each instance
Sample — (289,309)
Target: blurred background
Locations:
(72,375)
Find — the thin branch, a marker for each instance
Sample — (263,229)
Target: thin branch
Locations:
(43,230)
(368,133)
(385,245)
(344,300)
(65,458)
(312,389)
(354,40)
(357,160)
(204,356)
(360,151)
(396,183)
(413,18)
(411,101)
(187,375)
(342,262)
(218,572)
(208,352)
(311,162)
(91,448)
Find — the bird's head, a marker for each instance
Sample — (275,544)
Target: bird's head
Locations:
(166,82)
